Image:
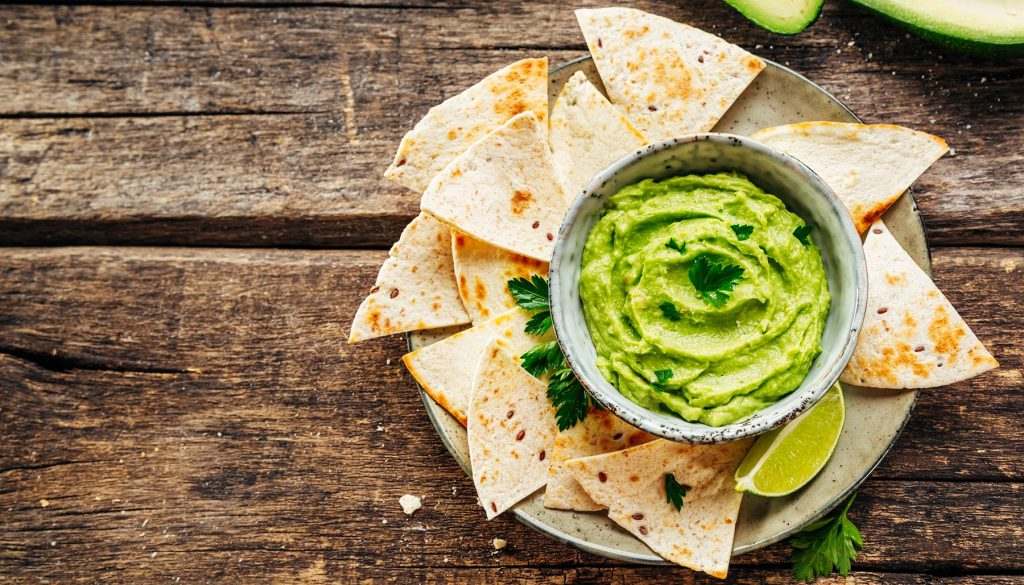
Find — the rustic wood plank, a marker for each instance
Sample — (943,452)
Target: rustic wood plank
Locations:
(279,319)
(359,78)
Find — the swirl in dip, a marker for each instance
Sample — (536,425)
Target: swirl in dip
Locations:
(704,296)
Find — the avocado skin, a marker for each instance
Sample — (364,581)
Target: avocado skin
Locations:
(959,44)
(741,6)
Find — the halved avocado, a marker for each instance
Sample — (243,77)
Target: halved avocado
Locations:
(786,17)
(989,27)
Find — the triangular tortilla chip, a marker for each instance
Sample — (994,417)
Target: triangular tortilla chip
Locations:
(672,79)
(511,429)
(415,287)
(588,133)
(912,336)
(631,484)
(451,127)
(482,272)
(868,166)
(600,432)
(445,369)
(503,190)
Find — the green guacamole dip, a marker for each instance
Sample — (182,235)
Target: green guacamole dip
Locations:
(661,342)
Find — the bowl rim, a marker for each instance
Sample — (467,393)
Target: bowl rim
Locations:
(686,431)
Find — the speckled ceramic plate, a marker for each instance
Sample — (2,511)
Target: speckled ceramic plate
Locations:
(874,418)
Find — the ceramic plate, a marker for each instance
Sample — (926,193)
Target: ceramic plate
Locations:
(874,418)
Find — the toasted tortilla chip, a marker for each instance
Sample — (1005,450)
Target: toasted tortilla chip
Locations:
(451,127)
(482,272)
(912,336)
(600,432)
(503,190)
(631,484)
(445,369)
(415,287)
(511,429)
(868,166)
(672,79)
(588,133)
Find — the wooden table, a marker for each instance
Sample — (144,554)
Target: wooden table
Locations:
(191,207)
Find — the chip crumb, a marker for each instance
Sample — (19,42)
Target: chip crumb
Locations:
(499,543)
(43,503)
(410,504)
(455,490)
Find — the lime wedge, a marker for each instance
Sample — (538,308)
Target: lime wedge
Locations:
(784,460)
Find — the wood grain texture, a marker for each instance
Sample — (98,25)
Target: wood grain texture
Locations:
(195,413)
(192,157)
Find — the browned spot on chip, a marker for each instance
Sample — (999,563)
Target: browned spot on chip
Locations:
(602,476)
(480,289)
(520,435)
(457,173)
(753,64)
(510,104)
(882,310)
(400,162)
(728,520)
(643,530)
(463,286)
(543,455)
(521,199)
(394,293)
(864,215)
(452,134)
(634,478)
(895,279)
(460,240)
(374,318)
(494,352)
(638,516)
(374,289)
(945,335)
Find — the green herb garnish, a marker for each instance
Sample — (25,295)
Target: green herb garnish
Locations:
(674,491)
(803,233)
(565,392)
(663,376)
(826,545)
(742,231)
(532,295)
(670,311)
(674,245)
(542,358)
(713,278)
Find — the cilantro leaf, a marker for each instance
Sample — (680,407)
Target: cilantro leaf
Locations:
(674,245)
(530,294)
(539,323)
(663,376)
(675,491)
(829,544)
(670,311)
(742,231)
(803,233)
(714,279)
(542,357)
(571,402)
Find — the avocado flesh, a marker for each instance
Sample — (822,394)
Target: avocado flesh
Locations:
(786,17)
(978,26)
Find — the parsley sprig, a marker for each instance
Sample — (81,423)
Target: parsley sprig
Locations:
(674,245)
(742,231)
(532,295)
(713,278)
(803,233)
(829,544)
(675,492)
(565,392)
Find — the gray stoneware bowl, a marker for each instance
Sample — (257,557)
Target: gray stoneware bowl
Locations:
(803,192)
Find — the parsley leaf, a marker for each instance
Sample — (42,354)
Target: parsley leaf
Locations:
(542,358)
(742,231)
(713,278)
(674,491)
(571,402)
(674,245)
(670,311)
(532,294)
(829,544)
(662,376)
(539,323)
(803,233)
